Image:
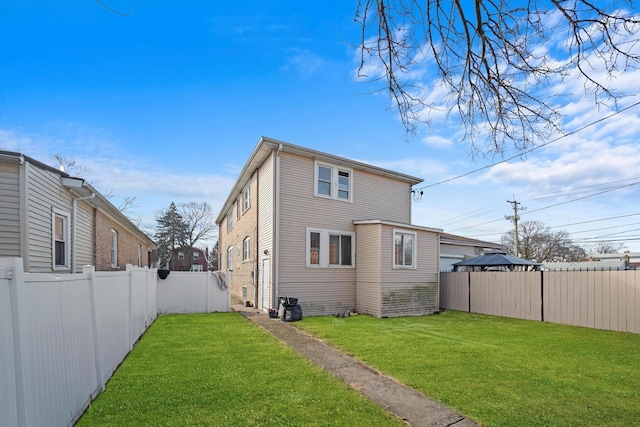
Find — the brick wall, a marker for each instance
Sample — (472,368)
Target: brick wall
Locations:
(127,245)
(243,227)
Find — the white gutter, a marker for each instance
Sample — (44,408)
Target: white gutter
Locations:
(73,235)
(276,258)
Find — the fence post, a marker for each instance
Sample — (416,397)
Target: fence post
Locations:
(209,281)
(469,286)
(129,270)
(15,276)
(90,272)
(541,296)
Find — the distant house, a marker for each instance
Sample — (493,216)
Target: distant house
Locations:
(617,261)
(189,259)
(455,248)
(332,232)
(631,259)
(59,223)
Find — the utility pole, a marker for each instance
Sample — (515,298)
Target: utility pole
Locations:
(515,217)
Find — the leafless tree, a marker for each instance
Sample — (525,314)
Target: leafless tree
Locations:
(199,218)
(69,165)
(607,248)
(493,59)
(538,243)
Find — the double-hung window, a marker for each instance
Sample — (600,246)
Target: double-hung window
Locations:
(230,219)
(246,197)
(404,249)
(326,248)
(114,249)
(333,182)
(60,244)
(246,249)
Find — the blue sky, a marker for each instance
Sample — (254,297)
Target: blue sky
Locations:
(165,104)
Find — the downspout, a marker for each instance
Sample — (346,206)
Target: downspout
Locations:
(73,231)
(276,258)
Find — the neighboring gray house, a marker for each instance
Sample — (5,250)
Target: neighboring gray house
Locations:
(332,232)
(454,249)
(59,223)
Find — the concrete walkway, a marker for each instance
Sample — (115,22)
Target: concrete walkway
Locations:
(408,404)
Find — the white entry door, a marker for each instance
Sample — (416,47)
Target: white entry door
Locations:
(266,284)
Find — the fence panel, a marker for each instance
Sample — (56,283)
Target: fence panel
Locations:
(112,314)
(594,299)
(58,365)
(8,395)
(192,292)
(454,291)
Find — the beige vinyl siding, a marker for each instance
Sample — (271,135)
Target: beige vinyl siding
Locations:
(368,273)
(265,177)
(328,290)
(44,192)
(9,210)
(410,291)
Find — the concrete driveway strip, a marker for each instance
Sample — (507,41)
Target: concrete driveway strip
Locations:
(411,406)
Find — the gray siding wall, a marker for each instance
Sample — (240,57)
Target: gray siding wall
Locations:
(9,210)
(410,292)
(328,290)
(85,236)
(45,192)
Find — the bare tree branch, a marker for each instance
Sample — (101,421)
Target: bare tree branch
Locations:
(487,55)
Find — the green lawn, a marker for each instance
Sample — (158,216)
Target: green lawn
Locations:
(499,371)
(222,370)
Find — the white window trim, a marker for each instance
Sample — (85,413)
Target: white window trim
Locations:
(67,239)
(114,249)
(414,253)
(246,198)
(246,249)
(324,247)
(335,170)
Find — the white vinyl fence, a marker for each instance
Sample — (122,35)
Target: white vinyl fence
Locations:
(63,335)
(193,292)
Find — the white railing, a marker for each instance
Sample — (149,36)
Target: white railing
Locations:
(63,335)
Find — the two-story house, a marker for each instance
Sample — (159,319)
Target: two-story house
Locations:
(59,223)
(333,232)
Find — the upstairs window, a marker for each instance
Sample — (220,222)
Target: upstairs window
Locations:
(404,249)
(180,254)
(327,248)
(246,198)
(333,182)
(230,219)
(196,256)
(60,244)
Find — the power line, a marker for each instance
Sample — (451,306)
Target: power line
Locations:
(575,189)
(583,197)
(534,148)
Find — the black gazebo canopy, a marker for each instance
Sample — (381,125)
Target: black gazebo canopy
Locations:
(494,260)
